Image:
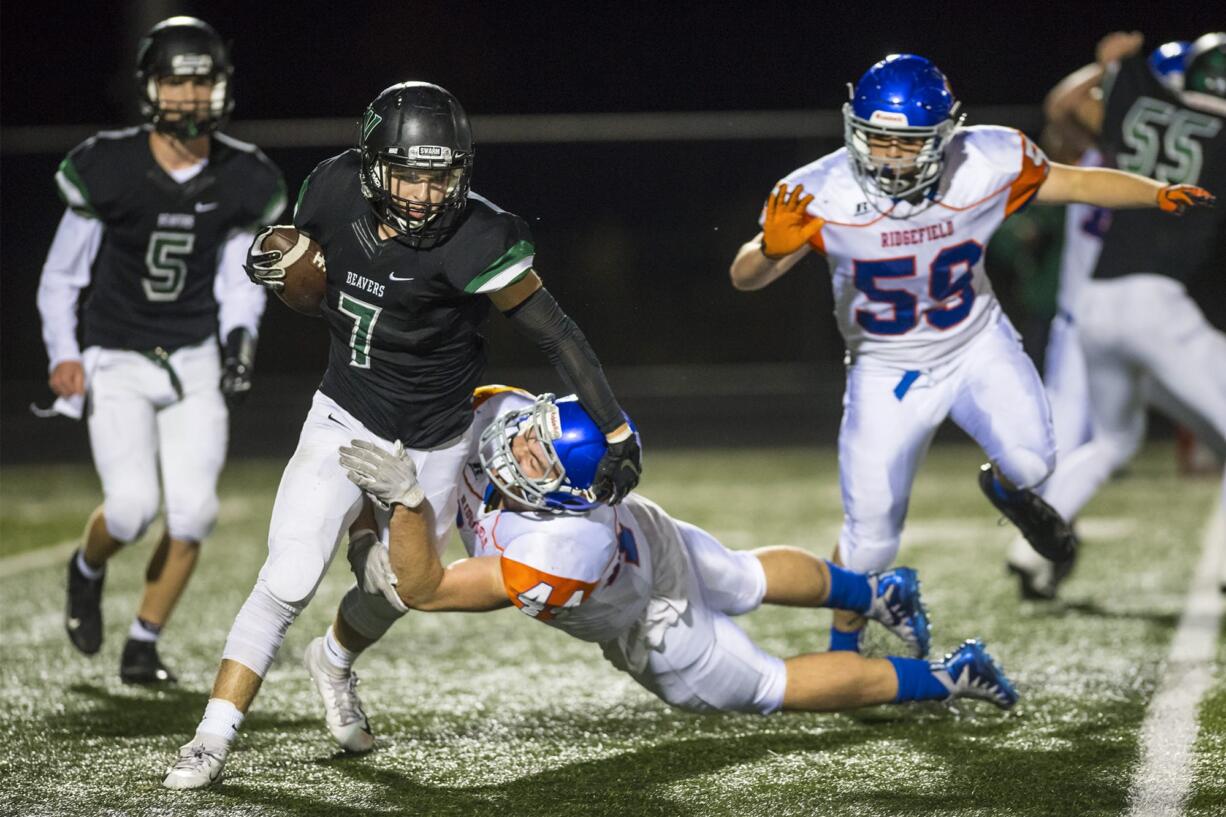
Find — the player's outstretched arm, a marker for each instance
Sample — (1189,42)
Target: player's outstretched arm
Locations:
(784,240)
(469,585)
(1103,187)
(536,315)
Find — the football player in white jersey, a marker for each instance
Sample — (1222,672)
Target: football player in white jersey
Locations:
(903,213)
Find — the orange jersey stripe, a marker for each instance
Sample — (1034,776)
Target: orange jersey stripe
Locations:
(1029,179)
(483,393)
(541,594)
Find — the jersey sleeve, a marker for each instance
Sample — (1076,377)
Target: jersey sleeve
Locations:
(496,256)
(1032,171)
(265,195)
(80,180)
(537,579)
(310,208)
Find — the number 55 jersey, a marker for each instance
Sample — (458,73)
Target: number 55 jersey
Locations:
(909,281)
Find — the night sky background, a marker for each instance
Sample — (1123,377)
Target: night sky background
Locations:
(634,239)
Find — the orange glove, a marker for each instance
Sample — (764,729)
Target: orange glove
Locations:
(1175,198)
(787,228)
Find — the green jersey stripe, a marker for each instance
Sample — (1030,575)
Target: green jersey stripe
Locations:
(519,256)
(72,189)
(275,204)
(301,193)
(507,277)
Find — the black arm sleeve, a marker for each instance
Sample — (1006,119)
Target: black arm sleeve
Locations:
(541,319)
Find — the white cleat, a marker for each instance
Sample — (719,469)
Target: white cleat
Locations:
(342,709)
(199,764)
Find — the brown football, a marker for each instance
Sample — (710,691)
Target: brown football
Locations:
(306,279)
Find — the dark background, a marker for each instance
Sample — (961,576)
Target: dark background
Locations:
(634,238)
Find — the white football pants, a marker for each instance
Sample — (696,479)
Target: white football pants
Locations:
(989,388)
(1136,329)
(1064,375)
(137,421)
(315,505)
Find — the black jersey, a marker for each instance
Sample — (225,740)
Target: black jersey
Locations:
(406,349)
(1150,130)
(152,279)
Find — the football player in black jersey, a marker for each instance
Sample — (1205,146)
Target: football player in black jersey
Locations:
(158,221)
(414,260)
(1144,319)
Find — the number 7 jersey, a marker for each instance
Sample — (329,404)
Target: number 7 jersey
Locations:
(909,283)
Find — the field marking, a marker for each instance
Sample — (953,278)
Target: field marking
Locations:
(45,556)
(1161,784)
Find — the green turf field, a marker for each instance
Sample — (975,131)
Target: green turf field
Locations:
(495,714)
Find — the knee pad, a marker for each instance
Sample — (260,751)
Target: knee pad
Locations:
(194,521)
(864,551)
(258,629)
(369,615)
(128,515)
(294,569)
(1026,468)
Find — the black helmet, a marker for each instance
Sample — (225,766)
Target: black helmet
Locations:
(1205,68)
(416,126)
(184,47)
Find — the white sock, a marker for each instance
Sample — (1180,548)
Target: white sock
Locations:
(88,572)
(336,654)
(221,719)
(142,630)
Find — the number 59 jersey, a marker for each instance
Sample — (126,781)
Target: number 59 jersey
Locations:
(909,281)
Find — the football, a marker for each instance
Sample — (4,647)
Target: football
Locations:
(302,259)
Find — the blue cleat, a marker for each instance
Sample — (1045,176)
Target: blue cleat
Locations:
(897,605)
(970,672)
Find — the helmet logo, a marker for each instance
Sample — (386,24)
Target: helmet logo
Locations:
(889,118)
(191,64)
(371,122)
(433,153)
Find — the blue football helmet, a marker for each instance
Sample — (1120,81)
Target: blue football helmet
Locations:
(902,97)
(573,445)
(1167,61)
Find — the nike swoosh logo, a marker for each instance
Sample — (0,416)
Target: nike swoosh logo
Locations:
(391,276)
(205,207)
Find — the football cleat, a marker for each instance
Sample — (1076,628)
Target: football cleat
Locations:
(342,709)
(140,664)
(1043,528)
(897,605)
(199,763)
(1038,578)
(83,620)
(970,672)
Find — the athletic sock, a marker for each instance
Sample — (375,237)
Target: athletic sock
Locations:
(142,630)
(848,590)
(221,719)
(841,641)
(91,573)
(339,657)
(916,681)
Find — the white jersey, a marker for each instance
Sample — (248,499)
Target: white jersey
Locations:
(1084,227)
(614,574)
(909,284)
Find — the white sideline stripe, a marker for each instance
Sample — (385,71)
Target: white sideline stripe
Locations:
(35,559)
(1161,784)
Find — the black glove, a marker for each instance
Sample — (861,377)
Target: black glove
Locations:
(619,470)
(238,362)
(261,266)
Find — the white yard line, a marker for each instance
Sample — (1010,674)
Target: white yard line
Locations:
(1161,784)
(45,556)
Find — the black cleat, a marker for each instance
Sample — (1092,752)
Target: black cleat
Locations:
(83,620)
(140,664)
(1045,530)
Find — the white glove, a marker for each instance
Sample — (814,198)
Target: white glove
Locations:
(373,568)
(390,477)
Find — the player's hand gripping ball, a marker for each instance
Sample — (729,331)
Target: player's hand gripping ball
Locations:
(787,228)
(291,264)
(1175,198)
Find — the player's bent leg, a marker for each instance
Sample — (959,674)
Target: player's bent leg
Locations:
(167,574)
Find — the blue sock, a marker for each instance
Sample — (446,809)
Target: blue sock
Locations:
(916,681)
(848,590)
(845,642)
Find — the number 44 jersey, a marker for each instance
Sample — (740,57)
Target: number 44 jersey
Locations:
(909,281)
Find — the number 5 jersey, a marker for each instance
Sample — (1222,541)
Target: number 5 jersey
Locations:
(909,281)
